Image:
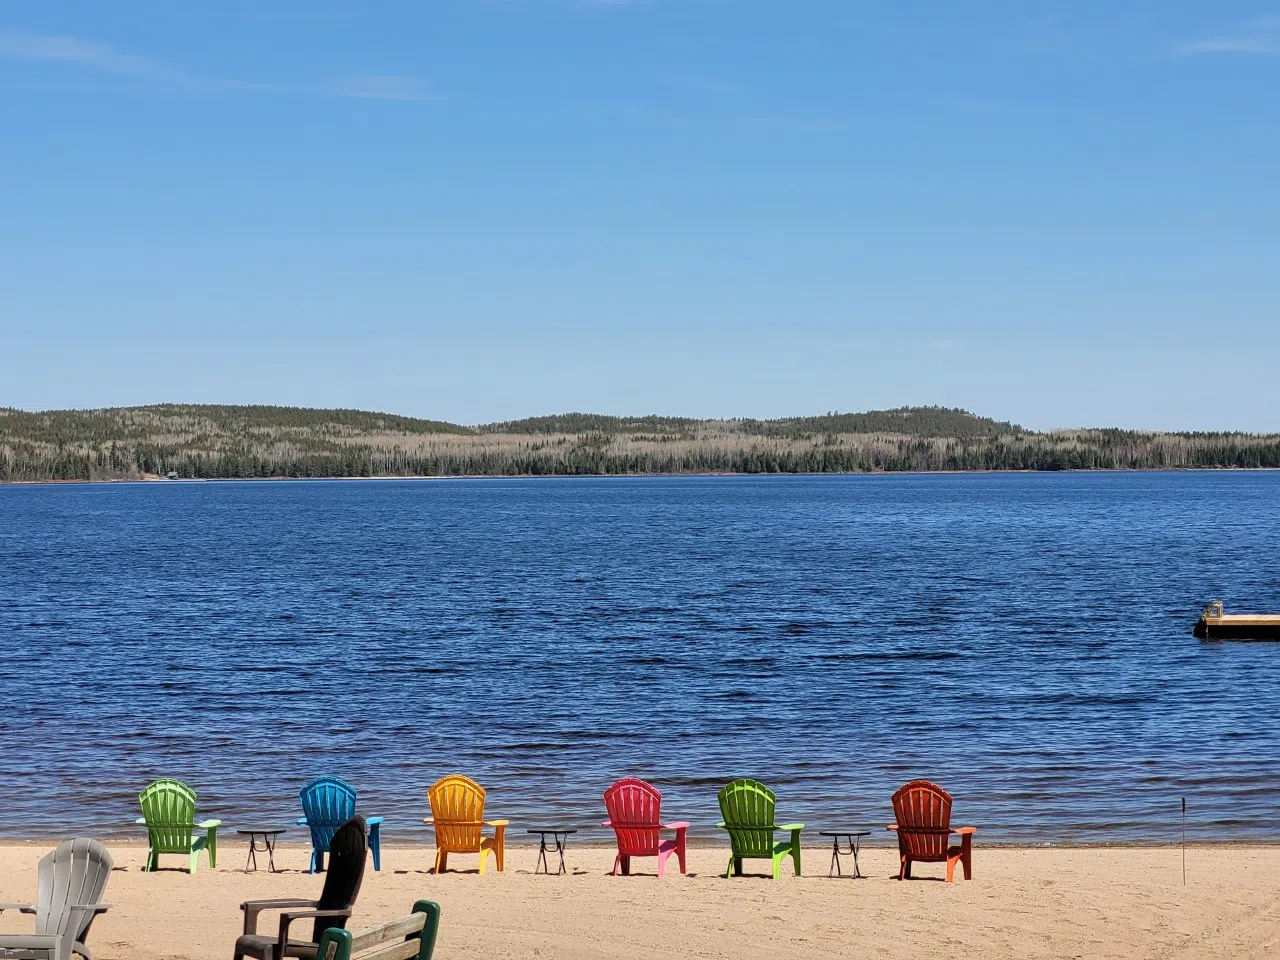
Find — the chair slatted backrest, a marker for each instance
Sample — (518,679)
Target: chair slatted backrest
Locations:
(923,812)
(327,803)
(635,809)
(748,810)
(348,851)
(457,807)
(74,874)
(169,807)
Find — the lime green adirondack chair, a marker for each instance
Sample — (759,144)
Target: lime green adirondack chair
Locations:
(169,813)
(747,807)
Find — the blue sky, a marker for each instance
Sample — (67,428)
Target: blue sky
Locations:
(1061,213)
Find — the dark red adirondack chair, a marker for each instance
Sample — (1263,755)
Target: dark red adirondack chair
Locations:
(635,814)
(924,830)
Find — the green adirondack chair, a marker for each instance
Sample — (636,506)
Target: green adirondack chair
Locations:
(169,814)
(747,807)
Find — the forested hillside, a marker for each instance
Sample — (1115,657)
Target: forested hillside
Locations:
(245,442)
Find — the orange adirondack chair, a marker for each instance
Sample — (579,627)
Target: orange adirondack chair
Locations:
(457,813)
(635,814)
(924,830)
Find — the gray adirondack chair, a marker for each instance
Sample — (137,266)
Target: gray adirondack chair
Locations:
(71,881)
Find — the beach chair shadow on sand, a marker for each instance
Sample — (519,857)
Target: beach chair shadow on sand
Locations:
(748,810)
(457,815)
(169,813)
(70,882)
(924,830)
(348,851)
(635,814)
(328,803)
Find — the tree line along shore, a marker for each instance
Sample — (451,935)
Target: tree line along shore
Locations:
(229,442)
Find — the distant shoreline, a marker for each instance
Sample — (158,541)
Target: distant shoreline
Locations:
(632,476)
(226,442)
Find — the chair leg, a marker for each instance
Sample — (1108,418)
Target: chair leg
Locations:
(966,856)
(213,848)
(737,866)
(442,861)
(377,855)
(729,867)
(662,863)
(616,862)
(626,866)
(904,868)
(795,855)
(680,858)
(195,862)
(777,865)
(484,852)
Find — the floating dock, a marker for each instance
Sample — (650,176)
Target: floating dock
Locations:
(1214,624)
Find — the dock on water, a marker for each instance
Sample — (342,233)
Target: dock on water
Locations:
(1214,624)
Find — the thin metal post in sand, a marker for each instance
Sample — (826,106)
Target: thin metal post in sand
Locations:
(1184,841)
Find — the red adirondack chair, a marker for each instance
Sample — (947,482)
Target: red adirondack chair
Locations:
(924,830)
(635,814)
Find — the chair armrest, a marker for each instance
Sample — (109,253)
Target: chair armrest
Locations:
(373,821)
(893,827)
(966,831)
(292,915)
(430,821)
(81,911)
(49,944)
(288,917)
(252,908)
(497,823)
(722,825)
(209,824)
(790,827)
(277,904)
(20,907)
(607,823)
(141,821)
(301,821)
(676,825)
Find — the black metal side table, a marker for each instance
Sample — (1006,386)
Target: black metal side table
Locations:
(269,836)
(560,839)
(853,839)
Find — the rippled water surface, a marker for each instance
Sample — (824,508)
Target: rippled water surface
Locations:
(1022,639)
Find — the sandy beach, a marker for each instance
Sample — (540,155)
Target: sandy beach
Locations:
(1024,902)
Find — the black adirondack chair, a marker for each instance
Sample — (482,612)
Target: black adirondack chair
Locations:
(347,854)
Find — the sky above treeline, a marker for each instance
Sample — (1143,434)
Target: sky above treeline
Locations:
(1057,212)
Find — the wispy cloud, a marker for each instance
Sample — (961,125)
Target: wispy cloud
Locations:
(387,87)
(102,58)
(21,45)
(1259,37)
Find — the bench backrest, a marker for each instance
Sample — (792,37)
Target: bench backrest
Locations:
(405,938)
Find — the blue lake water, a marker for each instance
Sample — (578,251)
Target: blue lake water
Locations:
(1022,639)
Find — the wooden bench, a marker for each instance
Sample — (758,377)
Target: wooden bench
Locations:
(405,938)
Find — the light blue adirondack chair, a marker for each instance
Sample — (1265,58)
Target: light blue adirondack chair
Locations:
(328,803)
